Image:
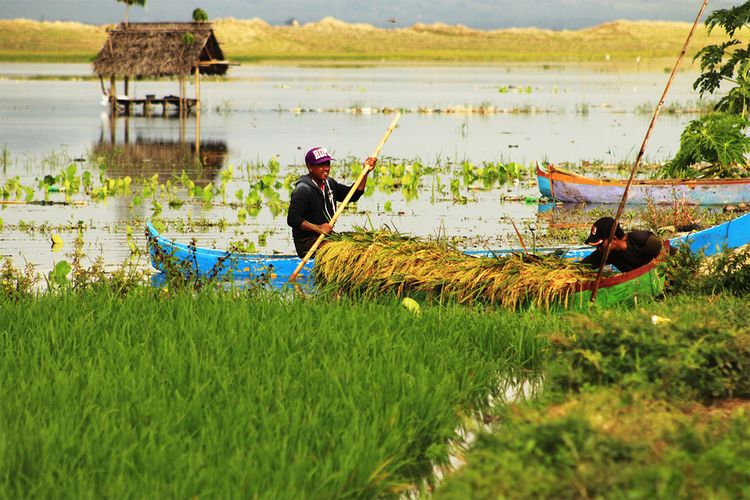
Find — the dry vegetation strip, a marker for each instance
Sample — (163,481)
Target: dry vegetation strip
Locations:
(330,39)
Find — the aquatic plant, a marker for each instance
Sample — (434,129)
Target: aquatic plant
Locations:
(728,272)
(681,215)
(17,284)
(5,157)
(183,274)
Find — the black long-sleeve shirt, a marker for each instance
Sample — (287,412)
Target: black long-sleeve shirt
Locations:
(643,247)
(315,205)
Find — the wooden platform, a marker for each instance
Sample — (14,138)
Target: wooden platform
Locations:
(126,106)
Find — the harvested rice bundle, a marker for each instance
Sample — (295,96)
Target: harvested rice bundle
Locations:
(382,262)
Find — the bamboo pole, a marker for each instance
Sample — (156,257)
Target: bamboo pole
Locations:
(348,197)
(519,235)
(608,241)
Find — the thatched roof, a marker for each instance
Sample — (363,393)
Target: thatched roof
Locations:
(160,49)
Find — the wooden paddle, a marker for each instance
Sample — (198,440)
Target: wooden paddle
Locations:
(348,197)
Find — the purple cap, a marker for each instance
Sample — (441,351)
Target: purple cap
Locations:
(316,156)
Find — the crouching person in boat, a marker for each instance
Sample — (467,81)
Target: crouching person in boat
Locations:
(628,251)
(314,199)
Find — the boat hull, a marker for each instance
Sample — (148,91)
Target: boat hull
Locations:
(565,186)
(200,261)
(622,288)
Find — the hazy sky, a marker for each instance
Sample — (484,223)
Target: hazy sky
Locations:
(486,14)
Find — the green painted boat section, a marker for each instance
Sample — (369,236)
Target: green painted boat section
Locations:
(644,287)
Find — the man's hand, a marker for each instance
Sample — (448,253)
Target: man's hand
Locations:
(324,228)
(370,164)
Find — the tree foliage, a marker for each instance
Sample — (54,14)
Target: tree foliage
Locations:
(728,61)
(715,145)
(128,3)
(712,146)
(200,16)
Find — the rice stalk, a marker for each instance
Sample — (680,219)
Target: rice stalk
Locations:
(385,262)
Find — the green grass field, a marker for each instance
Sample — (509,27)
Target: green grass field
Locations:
(111,388)
(330,40)
(220,396)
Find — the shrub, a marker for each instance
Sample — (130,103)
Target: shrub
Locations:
(609,445)
(693,357)
(712,146)
(200,16)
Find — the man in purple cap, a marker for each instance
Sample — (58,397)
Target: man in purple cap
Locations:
(627,251)
(314,198)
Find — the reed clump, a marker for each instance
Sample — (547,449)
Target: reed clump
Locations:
(384,262)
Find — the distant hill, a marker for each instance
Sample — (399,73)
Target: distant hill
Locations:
(332,40)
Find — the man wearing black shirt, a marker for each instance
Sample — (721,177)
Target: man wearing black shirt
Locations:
(627,251)
(314,198)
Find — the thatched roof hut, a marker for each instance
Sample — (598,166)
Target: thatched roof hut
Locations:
(143,50)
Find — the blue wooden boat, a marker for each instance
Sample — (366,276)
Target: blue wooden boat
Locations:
(278,268)
(563,185)
(208,261)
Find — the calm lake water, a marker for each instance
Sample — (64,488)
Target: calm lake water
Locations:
(51,114)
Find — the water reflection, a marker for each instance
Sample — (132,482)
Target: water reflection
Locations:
(140,154)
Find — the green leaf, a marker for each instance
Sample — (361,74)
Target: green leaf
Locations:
(59,275)
(712,146)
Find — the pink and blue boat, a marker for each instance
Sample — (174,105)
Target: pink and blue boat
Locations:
(563,185)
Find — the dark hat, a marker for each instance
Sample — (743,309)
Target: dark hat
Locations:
(316,156)
(601,229)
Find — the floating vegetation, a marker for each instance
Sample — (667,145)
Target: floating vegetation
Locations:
(698,106)
(385,262)
(248,189)
(483,108)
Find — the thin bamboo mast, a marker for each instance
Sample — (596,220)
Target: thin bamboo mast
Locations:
(523,245)
(641,152)
(348,197)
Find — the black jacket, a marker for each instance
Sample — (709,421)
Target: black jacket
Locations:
(643,247)
(309,203)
